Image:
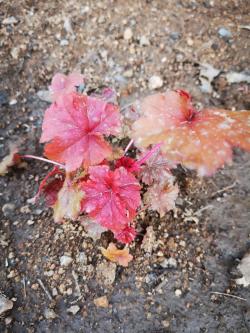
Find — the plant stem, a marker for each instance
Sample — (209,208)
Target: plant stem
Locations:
(149,154)
(128,146)
(44,160)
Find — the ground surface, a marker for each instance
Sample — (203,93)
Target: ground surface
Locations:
(207,244)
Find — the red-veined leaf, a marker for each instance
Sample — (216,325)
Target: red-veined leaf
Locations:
(111,197)
(75,126)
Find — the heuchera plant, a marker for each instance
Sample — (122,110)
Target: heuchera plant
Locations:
(95,183)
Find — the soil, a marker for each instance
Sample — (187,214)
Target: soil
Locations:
(209,232)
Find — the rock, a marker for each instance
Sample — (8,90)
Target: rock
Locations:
(234,77)
(15,52)
(7,209)
(67,25)
(206,77)
(49,314)
(5,304)
(144,41)
(3,98)
(155,82)
(244,268)
(44,95)
(128,34)
(81,258)
(10,20)
(149,240)
(178,292)
(129,73)
(105,273)
(65,260)
(224,33)
(190,42)
(101,302)
(8,320)
(169,263)
(64,42)
(73,309)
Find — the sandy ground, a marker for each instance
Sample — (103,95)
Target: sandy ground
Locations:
(208,235)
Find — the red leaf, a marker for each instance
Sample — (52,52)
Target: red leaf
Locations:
(128,163)
(51,185)
(111,197)
(75,126)
(198,140)
(62,84)
(127,235)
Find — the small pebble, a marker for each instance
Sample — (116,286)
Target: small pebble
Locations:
(169,263)
(144,41)
(10,20)
(73,309)
(178,292)
(155,82)
(224,33)
(49,314)
(128,34)
(65,260)
(5,304)
(101,302)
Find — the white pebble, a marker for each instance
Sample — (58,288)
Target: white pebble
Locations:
(128,34)
(155,82)
(65,260)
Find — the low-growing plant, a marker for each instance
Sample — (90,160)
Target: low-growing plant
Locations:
(95,181)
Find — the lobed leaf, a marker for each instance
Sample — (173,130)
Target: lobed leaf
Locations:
(111,197)
(198,140)
(74,127)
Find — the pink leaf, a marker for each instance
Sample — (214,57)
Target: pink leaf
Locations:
(62,84)
(161,197)
(111,197)
(156,169)
(198,140)
(75,126)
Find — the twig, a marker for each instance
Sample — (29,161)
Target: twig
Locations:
(203,208)
(44,289)
(24,287)
(78,290)
(229,295)
(224,189)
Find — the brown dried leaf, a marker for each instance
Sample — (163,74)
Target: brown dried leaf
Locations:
(121,257)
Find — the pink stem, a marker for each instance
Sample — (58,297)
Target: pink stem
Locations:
(128,146)
(44,160)
(149,154)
